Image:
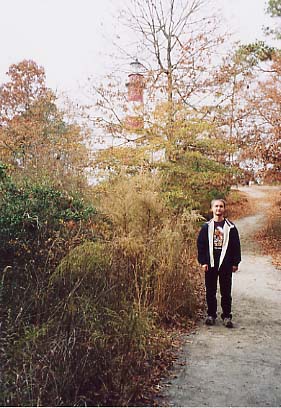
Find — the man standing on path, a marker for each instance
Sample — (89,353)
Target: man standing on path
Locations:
(219,254)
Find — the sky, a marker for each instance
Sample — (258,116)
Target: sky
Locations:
(71,39)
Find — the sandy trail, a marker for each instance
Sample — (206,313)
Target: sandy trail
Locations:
(240,366)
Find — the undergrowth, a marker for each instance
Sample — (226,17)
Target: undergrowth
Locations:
(270,236)
(85,290)
(238,205)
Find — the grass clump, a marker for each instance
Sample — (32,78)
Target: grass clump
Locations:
(153,248)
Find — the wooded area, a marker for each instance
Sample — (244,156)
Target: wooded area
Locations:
(98,245)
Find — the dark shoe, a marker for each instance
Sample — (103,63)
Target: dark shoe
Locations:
(210,321)
(227,322)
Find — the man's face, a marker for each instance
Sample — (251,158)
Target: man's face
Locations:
(218,208)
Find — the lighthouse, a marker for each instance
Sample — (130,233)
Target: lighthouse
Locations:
(134,119)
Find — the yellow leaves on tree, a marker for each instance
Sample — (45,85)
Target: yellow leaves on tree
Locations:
(34,135)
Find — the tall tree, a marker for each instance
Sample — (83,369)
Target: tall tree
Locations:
(34,134)
(177,43)
(263,125)
(176,38)
(180,136)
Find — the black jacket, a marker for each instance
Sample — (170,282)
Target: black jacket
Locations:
(231,252)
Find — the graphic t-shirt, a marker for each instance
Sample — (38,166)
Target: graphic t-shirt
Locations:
(218,240)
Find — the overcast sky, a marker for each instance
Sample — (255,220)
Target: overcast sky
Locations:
(70,37)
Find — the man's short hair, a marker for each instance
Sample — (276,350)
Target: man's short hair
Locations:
(218,199)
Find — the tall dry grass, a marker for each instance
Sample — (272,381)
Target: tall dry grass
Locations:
(270,236)
(153,248)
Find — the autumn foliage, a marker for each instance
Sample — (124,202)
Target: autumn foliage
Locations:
(94,274)
(89,288)
(263,141)
(91,285)
(270,236)
(35,136)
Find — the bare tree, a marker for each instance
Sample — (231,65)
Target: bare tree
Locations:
(177,40)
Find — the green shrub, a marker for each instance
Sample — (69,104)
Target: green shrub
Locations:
(35,235)
(32,212)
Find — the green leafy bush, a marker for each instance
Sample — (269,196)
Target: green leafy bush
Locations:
(30,211)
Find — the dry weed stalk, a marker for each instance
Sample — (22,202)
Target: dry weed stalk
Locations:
(154,249)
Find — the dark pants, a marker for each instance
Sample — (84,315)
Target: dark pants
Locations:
(225,280)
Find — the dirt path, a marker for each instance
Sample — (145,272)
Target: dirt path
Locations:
(239,366)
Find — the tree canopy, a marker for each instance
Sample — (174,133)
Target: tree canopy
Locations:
(36,136)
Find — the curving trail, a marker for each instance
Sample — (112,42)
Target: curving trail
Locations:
(240,366)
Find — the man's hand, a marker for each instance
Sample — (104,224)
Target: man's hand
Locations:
(205,267)
(234,268)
